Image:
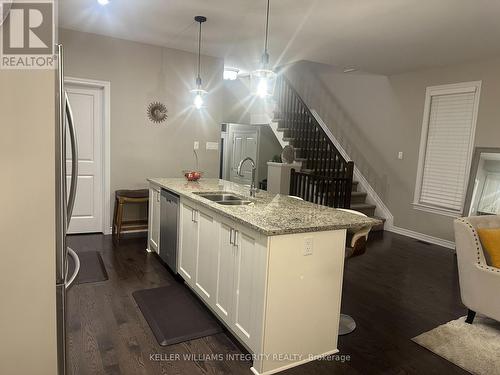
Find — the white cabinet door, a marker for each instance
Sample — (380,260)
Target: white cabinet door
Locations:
(225,270)
(154,219)
(225,264)
(189,243)
(206,262)
(249,285)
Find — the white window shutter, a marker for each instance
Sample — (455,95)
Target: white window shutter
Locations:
(447,148)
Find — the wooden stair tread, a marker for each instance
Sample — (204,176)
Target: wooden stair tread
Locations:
(380,227)
(358,194)
(362,206)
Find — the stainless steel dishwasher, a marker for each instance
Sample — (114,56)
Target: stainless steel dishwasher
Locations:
(169,223)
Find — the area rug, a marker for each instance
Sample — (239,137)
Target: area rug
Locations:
(473,347)
(175,315)
(92,269)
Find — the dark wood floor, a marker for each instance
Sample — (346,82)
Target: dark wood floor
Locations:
(397,290)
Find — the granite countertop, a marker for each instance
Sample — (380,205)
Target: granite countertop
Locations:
(269,214)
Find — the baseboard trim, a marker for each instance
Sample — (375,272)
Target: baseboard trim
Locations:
(294,364)
(134,231)
(421,236)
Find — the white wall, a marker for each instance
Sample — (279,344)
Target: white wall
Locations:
(375,116)
(268,148)
(141,73)
(241,104)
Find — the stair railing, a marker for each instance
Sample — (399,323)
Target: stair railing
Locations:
(326,174)
(323,190)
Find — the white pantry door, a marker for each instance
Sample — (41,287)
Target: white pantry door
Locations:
(244,144)
(86,103)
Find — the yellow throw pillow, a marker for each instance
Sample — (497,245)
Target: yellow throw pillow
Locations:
(490,239)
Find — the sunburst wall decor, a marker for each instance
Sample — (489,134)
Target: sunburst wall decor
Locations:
(157,112)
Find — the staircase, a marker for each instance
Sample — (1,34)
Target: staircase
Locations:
(358,203)
(326,177)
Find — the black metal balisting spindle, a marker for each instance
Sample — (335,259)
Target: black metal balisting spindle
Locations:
(330,180)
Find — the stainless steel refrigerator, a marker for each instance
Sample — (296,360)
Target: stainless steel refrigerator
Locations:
(65,200)
(34,212)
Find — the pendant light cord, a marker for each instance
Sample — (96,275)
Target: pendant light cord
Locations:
(198,80)
(267,27)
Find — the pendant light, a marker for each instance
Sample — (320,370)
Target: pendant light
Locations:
(198,92)
(263,80)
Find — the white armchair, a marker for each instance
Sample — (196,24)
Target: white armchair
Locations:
(479,282)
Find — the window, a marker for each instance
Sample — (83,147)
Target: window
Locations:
(446,147)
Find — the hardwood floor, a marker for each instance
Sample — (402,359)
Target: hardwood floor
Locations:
(400,288)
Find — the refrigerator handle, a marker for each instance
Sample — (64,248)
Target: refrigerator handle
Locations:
(77,268)
(61,193)
(74,159)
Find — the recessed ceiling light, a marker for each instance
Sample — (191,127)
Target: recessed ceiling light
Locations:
(350,69)
(230,74)
(103,2)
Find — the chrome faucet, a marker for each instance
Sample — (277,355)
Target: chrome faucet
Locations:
(253,189)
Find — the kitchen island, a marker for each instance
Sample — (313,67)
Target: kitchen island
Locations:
(270,267)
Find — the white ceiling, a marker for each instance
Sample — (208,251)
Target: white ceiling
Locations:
(382,36)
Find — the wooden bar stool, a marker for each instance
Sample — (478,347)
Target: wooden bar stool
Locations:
(123,197)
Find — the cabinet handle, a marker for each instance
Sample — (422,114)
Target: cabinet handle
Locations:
(231,236)
(196,212)
(236,235)
(192,215)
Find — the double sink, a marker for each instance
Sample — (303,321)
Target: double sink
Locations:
(225,198)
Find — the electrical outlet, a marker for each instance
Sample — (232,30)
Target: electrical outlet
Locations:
(196,145)
(400,155)
(308,246)
(212,146)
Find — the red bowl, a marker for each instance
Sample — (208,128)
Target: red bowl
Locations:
(192,175)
